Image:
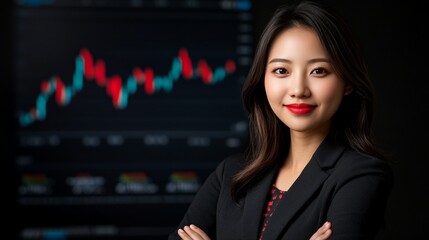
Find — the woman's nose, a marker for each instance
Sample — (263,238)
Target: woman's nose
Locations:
(299,88)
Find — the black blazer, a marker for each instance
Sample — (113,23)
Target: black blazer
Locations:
(338,184)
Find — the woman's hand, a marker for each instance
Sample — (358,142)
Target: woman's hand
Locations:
(192,232)
(323,233)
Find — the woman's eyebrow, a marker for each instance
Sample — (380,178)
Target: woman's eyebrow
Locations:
(313,60)
(279,60)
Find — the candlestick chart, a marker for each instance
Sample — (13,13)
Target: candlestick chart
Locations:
(116,87)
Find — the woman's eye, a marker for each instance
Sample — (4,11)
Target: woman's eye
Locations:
(320,71)
(280,71)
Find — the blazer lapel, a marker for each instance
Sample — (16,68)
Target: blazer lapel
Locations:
(254,204)
(304,187)
(307,184)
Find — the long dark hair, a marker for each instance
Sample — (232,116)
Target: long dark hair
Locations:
(268,136)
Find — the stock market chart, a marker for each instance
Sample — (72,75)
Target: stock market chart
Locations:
(122,109)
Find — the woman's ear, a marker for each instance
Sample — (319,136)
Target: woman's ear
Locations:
(347,90)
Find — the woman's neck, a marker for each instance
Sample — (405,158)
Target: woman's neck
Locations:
(302,148)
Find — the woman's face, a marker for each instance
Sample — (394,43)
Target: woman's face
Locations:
(301,86)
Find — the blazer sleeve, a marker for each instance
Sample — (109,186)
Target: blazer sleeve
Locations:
(358,205)
(202,210)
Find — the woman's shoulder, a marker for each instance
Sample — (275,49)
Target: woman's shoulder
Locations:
(351,156)
(236,160)
(339,157)
(231,164)
(359,163)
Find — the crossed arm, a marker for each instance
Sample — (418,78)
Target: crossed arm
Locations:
(193,232)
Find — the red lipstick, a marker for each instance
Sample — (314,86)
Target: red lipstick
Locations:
(300,108)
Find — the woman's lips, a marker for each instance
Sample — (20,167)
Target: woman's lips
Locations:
(300,108)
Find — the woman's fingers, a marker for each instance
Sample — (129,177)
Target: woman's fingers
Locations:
(323,233)
(183,235)
(200,232)
(192,232)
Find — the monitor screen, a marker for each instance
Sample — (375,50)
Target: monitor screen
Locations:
(121,110)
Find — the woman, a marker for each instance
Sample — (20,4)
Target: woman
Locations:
(311,170)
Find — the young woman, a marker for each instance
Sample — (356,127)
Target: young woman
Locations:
(311,170)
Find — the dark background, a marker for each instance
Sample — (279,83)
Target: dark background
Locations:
(392,37)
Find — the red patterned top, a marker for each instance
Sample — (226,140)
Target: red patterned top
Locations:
(275,197)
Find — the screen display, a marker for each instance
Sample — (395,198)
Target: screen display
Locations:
(121,110)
